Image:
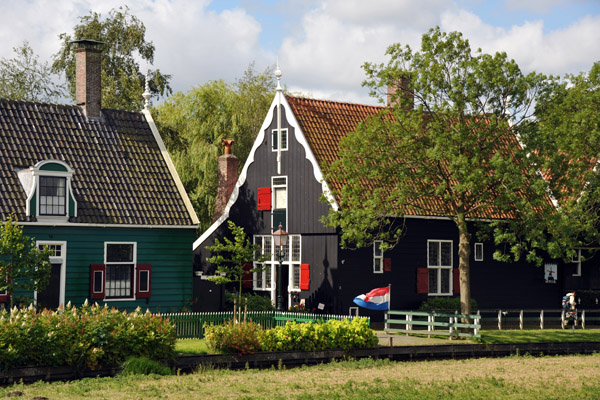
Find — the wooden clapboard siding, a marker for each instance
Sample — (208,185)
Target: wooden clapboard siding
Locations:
(167,250)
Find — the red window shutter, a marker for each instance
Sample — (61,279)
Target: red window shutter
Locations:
(97,274)
(422,280)
(264,198)
(142,285)
(4,296)
(455,281)
(387,264)
(247,279)
(304,276)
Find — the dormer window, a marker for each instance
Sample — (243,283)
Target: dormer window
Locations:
(48,188)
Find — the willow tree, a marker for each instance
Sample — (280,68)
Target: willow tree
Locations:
(446,147)
(193,124)
(125,45)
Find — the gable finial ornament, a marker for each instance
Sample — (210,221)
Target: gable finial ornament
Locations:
(279,90)
(146,95)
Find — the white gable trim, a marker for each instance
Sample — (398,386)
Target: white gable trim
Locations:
(171,166)
(299,135)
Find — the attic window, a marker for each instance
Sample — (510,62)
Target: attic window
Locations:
(48,188)
(53,195)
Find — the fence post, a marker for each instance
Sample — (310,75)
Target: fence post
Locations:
(542,319)
(430,319)
(521,320)
(385,325)
(477,322)
(583,319)
(499,320)
(562,319)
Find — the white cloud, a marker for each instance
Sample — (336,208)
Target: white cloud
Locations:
(570,50)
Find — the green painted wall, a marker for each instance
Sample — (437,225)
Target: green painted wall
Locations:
(169,251)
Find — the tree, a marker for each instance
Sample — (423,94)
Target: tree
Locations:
(25,78)
(233,256)
(124,44)
(454,155)
(565,142)
(22,265)
(193,125)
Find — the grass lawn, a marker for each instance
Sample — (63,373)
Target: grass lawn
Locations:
(191,346)
(537,335)
(516,377)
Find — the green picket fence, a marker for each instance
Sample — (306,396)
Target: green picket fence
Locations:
(191,325)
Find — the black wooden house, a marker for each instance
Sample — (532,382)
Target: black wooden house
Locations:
(285,186)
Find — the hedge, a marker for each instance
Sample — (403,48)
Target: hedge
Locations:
(87,337)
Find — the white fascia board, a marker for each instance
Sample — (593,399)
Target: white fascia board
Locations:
(299,135)
(171,166)
(310,156)
(54,223)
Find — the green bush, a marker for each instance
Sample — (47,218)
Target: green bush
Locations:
(332,334)
(242,337)
(144,366)
(88,337)
(256,302)
(444,304)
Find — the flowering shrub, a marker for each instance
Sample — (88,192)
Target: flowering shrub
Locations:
(91,336)
(332,334)
(249,337)
(243,337)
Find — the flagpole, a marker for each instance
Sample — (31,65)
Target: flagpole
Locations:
(390,294)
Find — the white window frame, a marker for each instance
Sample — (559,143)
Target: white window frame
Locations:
(377,258)
(30,180)
(577,261)
(275,139)
(62,260)
(439,267)
(478,248)
(268,275)
(133,272)
(274,204)
(353,311)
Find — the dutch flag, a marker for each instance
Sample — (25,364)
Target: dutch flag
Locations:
(376,299)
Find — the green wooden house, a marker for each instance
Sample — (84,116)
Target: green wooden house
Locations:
(98,187)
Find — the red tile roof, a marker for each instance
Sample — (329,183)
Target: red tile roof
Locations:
(324,123)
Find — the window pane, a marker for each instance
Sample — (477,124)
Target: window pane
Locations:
(119,252)
(284,139)
(144,281)
(433,254)
(267,248)
(280,181)
(274,140)
(377,248)
(446,254)
(433,280)
(378,265)
(296,276)
(296,247)
(268,278)
(445,281)
(118,280)
(259,276)
(52,195)
(280,198)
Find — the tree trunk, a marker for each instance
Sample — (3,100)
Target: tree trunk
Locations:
(464,255)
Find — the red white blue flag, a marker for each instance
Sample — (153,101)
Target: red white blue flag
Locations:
(376,299)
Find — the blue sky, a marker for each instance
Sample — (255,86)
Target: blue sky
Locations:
(320,45)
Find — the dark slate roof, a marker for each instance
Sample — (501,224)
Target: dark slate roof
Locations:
(120,176)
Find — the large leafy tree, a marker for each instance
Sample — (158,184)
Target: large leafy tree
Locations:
(194,123)
(565,143)
(454,154)
(125,44)
(24,77)
(22,265)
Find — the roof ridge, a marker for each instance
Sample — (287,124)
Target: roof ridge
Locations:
(340,102)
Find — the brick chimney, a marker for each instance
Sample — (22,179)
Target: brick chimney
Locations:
(88,75)
(405,92)
(227,178)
